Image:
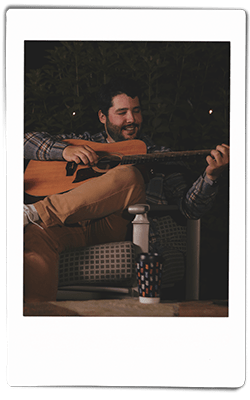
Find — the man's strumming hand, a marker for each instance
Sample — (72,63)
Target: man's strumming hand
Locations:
(80,154)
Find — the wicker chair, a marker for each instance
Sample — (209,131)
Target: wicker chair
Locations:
(108,270)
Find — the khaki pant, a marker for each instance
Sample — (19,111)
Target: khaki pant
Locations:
(99,204)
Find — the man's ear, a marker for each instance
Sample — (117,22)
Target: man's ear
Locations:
(102,117)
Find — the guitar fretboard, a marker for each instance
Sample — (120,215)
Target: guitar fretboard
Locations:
(164,156)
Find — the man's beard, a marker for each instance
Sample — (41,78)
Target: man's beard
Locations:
(116,133)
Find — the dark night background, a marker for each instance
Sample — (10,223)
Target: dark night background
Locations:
(180,81)
(35,55)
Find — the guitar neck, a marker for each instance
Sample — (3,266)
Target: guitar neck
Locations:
(164,156)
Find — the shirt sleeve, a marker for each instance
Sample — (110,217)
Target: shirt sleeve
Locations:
(193,199)
(199,199)
(44,147)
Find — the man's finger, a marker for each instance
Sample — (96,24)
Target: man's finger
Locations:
(215,154)
(210,159)
(222,149)
(90,154)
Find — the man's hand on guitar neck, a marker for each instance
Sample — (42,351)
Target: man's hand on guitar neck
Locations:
(217,161)
(80,154)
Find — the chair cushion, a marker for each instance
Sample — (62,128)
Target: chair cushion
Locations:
(169,233)
(169,239)
(112,264)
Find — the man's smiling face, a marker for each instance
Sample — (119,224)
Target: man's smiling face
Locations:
(124,118)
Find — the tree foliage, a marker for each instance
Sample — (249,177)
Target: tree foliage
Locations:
(180,83)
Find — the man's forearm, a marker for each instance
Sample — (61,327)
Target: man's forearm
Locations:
(42,146)
(199,198)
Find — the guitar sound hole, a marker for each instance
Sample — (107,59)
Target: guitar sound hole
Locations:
(107,163)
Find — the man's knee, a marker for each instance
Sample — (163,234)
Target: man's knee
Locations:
(129,175)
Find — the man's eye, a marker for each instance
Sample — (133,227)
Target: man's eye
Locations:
(137,110)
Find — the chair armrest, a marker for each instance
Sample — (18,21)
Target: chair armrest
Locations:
(139,209)
(140,226)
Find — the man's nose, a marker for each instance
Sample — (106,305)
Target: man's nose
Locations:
(130,117)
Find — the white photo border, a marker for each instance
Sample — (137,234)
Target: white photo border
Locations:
(75,351)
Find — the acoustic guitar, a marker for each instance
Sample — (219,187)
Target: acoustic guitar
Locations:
(43,178)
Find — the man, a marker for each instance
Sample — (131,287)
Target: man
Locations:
(95,212)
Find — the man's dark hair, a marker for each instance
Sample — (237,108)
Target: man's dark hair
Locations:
(113,88)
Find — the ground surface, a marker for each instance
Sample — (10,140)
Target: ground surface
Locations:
(128,307)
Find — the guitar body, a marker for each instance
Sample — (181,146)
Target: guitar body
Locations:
(44,178)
